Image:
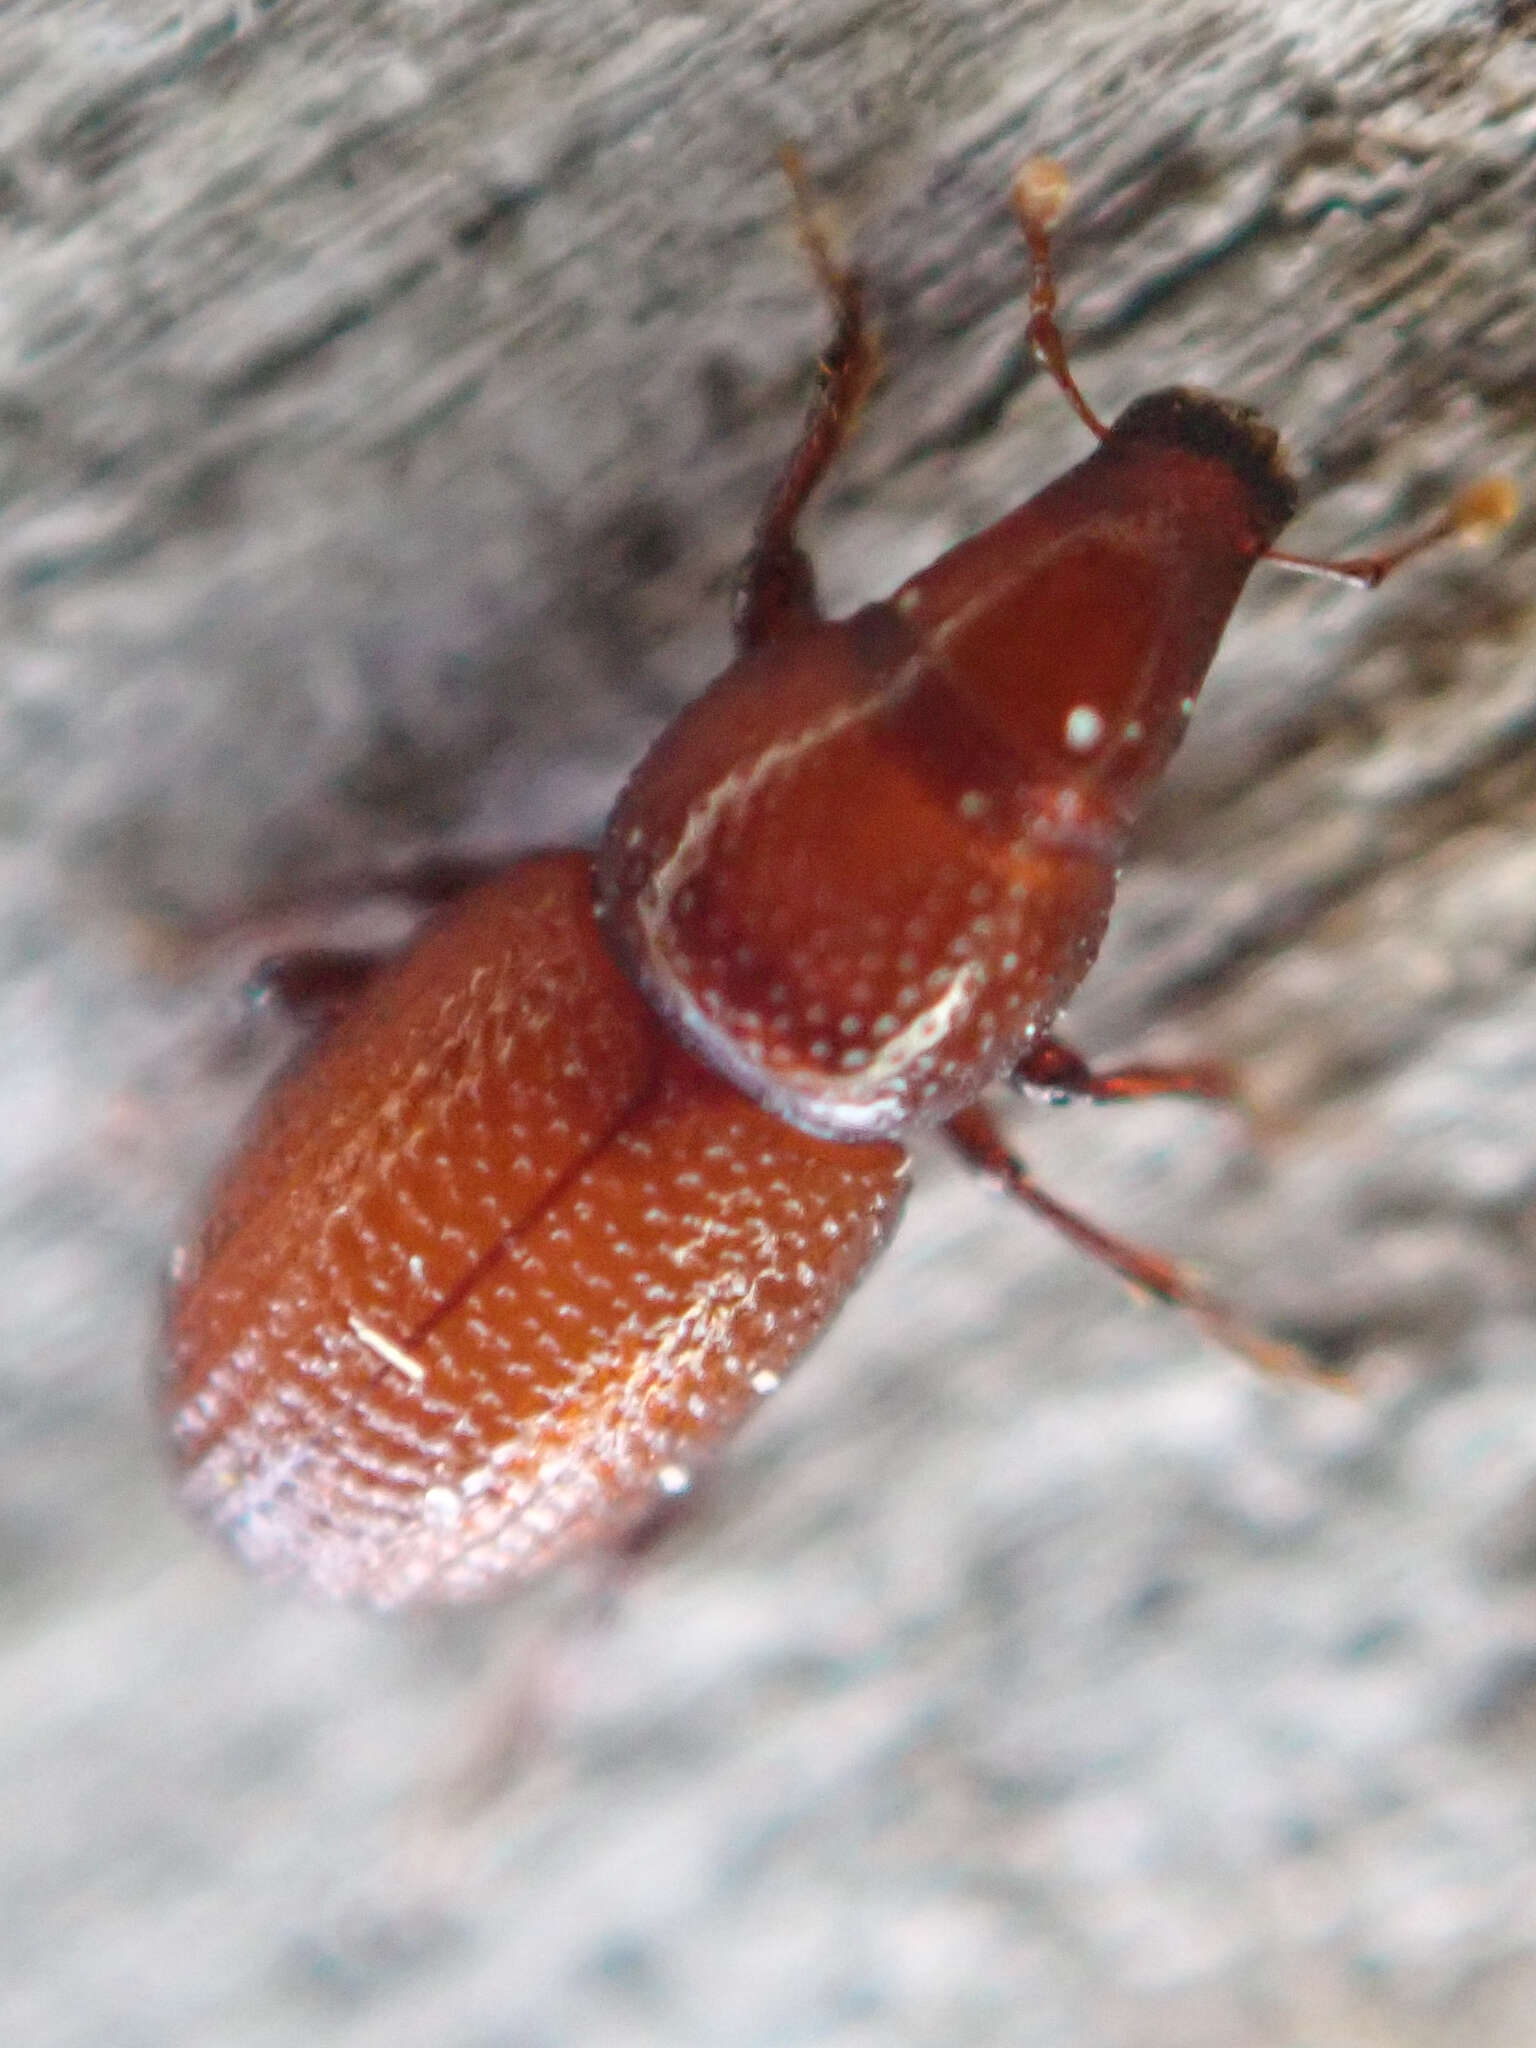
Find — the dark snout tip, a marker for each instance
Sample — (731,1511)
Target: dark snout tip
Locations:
(1234,434)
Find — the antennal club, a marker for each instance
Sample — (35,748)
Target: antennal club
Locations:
(1474,516)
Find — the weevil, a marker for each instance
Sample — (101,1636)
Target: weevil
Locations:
(561,1192)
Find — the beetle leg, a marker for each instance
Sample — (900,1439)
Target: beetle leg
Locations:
(1051,1068)
(313,985)
(976,1137)
(433,880)
(777,591)
(428,884)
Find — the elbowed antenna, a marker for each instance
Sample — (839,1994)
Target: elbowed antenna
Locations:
(1476,515)
(1042,192)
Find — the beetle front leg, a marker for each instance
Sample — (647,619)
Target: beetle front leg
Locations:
(777,592)
(976,1137)
(1053,1069)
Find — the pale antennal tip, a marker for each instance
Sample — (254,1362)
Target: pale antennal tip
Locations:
(1042,192)
(1483,509)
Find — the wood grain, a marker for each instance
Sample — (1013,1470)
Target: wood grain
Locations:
(386,394)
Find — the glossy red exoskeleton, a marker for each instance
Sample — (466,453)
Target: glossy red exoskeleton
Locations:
(566,1188)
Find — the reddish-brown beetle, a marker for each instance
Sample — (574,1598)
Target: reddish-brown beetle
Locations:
(567,1187)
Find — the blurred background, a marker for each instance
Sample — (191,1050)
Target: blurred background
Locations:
(386,393)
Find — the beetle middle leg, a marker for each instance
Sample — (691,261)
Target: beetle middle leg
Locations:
(1054,1069)
(777,591)
(313,985)
(976,1137)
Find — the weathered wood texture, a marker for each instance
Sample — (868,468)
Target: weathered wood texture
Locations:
(385,392)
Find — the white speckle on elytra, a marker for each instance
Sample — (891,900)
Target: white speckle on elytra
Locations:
(1084,728)
(674,1479)
(765,1382)
(388,1350)
(441,1506)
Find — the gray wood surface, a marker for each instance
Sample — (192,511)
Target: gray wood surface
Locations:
(385,392)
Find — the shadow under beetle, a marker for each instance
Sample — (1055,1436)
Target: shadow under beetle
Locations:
(562,1191)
